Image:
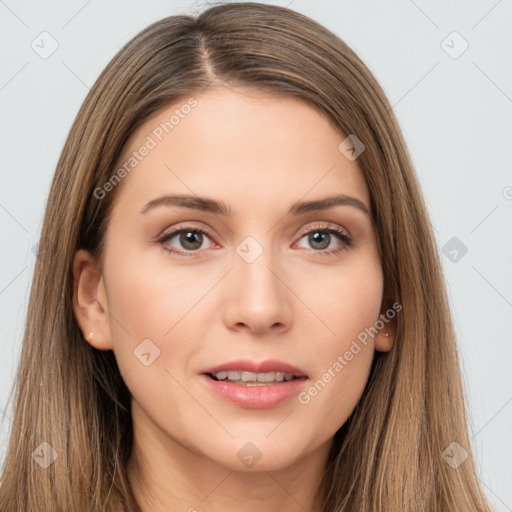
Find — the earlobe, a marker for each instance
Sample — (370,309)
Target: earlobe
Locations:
(385,339)
(90,301)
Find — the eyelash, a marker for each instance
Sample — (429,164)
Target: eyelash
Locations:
(346,241)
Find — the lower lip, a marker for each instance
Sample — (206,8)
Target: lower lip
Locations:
(256,397)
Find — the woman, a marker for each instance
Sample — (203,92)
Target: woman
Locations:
(238,301)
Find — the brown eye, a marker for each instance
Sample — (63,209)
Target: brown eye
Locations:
(191,240)
(321,238)
(186,241)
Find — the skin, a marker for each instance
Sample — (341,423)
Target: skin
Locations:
(296,303)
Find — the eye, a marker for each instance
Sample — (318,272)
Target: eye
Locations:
(324,237)
(190,238)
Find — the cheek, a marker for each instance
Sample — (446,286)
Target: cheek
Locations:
(347,306)
(149,300)
(345,300)
(152,333)
(148,307)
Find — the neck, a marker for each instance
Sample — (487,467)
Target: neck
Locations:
(167,476)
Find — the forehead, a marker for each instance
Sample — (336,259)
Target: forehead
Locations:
(242,145)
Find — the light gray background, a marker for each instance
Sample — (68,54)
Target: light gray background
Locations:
(455,112)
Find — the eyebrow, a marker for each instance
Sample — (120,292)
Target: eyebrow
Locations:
(206,204)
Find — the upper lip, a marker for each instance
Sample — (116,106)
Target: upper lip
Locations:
(270,365)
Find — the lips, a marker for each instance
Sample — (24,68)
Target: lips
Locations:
(270,365)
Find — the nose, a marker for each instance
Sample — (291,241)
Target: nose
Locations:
(258,299)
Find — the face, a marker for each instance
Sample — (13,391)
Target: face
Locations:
(244,267)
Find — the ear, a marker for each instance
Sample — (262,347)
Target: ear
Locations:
(385,338)
(90,301)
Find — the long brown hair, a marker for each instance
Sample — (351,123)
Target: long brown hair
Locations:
(388,455)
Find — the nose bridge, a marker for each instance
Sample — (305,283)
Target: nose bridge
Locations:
(258,298)
(253,269)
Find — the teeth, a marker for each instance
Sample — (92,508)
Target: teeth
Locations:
(248,376)
(254,377)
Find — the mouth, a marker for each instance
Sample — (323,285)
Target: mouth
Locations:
(244,378)
(270,372)
(252,385)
